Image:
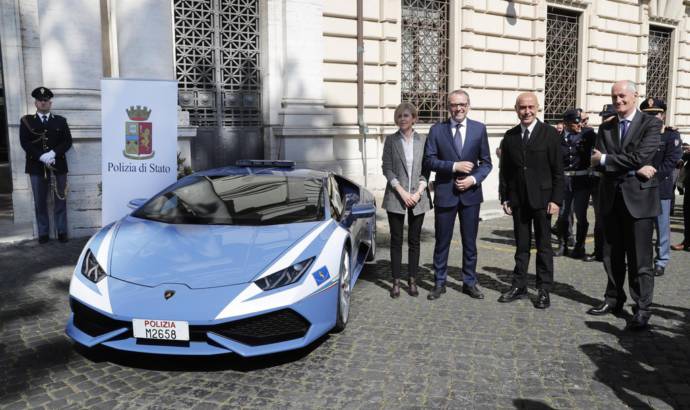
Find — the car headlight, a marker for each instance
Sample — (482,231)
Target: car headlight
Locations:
(91,269)
(286,276)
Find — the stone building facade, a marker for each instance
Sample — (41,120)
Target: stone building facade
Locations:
(278,78)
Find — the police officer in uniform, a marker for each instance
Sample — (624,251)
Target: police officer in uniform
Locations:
(46,138)
(607,113)
(576,148)
(667,156)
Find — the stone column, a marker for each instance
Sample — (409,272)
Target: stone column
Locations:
(144,39)
(72,66)
(306,127)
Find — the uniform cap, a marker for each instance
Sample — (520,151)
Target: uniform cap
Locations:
(572,116)
(607,111)
(653,105)
(42,93)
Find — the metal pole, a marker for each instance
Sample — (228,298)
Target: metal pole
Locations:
(360,84)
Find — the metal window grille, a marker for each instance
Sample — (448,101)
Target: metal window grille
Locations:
(561,63)
(658,61)
(425,57)
(217,61)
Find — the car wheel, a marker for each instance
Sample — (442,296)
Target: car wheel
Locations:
(344,290)
(371,257)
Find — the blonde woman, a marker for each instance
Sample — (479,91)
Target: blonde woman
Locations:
(406,193)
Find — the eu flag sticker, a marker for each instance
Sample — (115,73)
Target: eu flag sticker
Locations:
(321,275)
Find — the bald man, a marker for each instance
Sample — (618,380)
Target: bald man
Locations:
(531,190)
(628,203)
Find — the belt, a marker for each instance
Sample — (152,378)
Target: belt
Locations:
(576,173)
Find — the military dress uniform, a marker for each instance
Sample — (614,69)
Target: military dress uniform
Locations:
(47,137)
(665,159)
(576,149)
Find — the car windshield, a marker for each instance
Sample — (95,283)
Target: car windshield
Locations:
(265,199)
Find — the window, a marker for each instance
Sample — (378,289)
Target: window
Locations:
(217,61)
(658,62)
(562,29)
(425,57)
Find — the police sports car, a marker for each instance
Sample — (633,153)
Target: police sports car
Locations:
(253,259)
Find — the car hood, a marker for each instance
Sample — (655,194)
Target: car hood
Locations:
(151,253)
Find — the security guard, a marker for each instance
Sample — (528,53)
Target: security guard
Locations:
(665,160)
(607,114)
(576,147)
(46,138)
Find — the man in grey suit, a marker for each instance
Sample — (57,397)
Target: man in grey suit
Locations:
(629,203)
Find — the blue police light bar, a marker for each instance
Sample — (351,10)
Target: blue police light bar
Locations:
(265,163)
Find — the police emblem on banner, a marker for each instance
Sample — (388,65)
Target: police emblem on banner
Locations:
(138,134)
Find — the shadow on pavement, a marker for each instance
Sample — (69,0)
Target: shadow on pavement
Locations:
(528,404)
(561,289)
(651,363)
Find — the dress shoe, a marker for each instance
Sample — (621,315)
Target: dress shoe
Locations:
(604,309)
(577,253)
(395,291)
(43,239)
(513,294)
(412,287)
(638,322)
(659,271)
(543,301)
(62,237)
(473,291)
(436,292)
(680,247)
(592,257)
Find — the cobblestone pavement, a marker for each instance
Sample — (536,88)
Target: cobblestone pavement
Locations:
(456,352)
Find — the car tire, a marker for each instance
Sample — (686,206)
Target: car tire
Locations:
(371,256)
(344,292)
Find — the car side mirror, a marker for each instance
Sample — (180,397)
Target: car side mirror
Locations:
(136,203)
(363,210)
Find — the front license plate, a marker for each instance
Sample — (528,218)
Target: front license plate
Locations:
(160,329)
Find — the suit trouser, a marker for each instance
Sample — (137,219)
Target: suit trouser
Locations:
(523,219)
(41,187)
(686,216)
(575,198)
(444,224)
(396,222)
(628,240)
(663,234)
(598,224)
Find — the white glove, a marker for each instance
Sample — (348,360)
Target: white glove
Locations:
(51,161)
(44,158)
(51,154)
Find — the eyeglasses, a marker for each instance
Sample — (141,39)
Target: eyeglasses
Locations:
(459,105)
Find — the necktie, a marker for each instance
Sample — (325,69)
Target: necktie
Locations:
(458,138)
(623,129)
(44,119)
(525,136)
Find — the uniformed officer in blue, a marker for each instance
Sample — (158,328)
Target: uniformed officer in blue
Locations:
(665,161)
(46,138)
(576,148)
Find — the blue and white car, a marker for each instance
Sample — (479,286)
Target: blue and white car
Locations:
(252,259)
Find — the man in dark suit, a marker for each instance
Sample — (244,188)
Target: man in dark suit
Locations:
(629,202)
(458,151)
(46,138)
(531,190)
